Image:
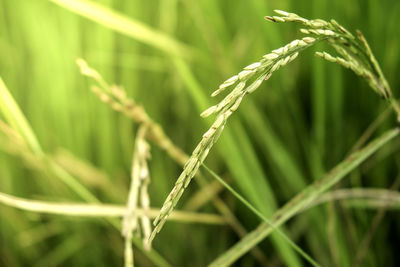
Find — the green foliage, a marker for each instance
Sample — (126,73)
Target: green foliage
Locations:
(169,56)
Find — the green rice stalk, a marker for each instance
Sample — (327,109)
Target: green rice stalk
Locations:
(303,199)
(262,217)
(102,210)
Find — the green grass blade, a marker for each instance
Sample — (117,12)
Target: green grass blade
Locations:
(17,120)
(262,217)
(304,198)
(127,26)
(101,210)
(11,111)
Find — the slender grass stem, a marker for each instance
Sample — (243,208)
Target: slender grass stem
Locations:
(101,210)
(262,217)
(304,198)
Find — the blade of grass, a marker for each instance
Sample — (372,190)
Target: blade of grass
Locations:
(376,194)
(126,26)
(17,120)
(372,128)
(101,210)
(304,198)
(12,112)
(262,217)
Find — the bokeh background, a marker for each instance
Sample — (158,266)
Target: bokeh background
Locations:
(296,127)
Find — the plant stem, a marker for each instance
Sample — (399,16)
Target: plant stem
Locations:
(304,198)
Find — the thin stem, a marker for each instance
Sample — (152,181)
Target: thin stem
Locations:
(102,210)
(262,217)
(304,198)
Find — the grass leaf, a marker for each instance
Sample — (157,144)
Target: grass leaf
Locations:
(303,199)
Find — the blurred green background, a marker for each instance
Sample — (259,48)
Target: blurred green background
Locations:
(296,127)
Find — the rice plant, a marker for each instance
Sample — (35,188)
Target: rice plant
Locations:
(269,164)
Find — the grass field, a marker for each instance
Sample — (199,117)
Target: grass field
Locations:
(314,136)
